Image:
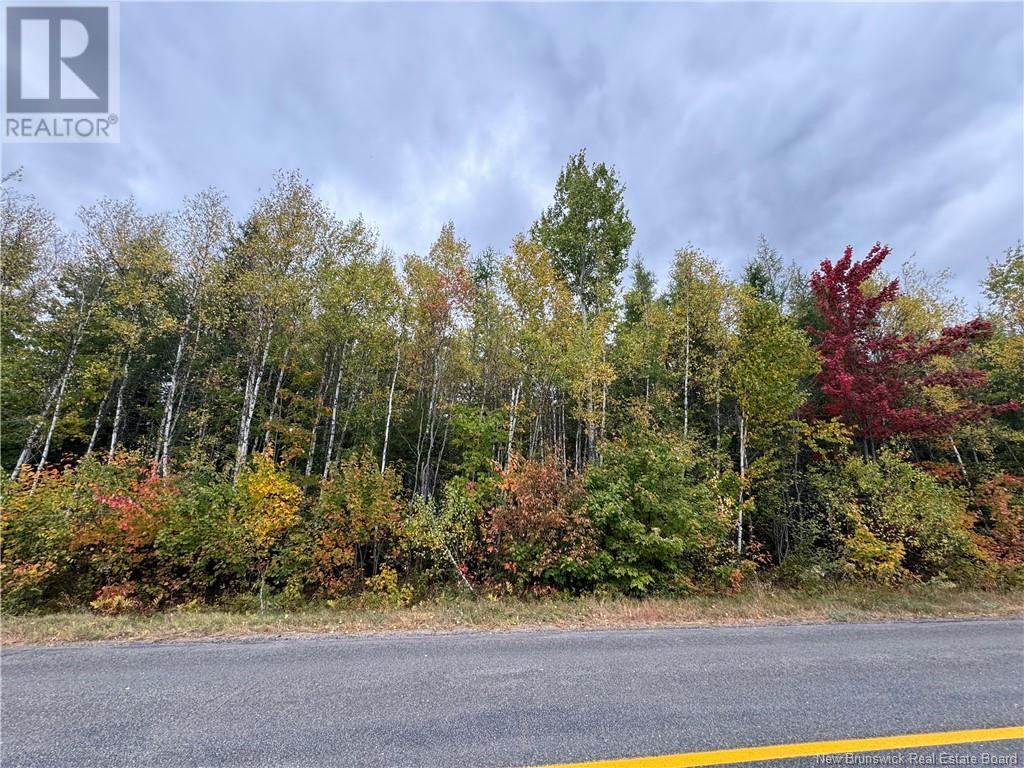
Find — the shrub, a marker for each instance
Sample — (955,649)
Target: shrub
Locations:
(202,545)
(441,542)
(383,590)
(999,519)
(27,586)
(78,529)
(355,525)
(36,530)
(867,556)
(539,535)
(865,508)
(268,509)
(657,529)
(116,599)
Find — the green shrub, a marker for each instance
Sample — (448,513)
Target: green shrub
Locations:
(887,519)
(657,529)
(354,528)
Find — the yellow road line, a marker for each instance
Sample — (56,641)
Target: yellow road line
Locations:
(805,749)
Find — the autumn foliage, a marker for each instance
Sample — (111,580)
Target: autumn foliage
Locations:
(264,412)
(540,534)
(880,382)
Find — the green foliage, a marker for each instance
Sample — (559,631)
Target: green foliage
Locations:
(587,231)
(772,360)
(876,510)
(354,525)
(867,556)
(657,529)
(203,545)
(440,543)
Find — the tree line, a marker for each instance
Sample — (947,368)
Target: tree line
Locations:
(278,408)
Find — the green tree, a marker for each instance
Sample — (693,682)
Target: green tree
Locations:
(701,301)
(772,362)
(587,231)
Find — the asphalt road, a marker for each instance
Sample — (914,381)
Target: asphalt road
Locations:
(519,698)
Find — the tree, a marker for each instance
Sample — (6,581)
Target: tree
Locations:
(440,294)
(1003,356)
(269,265)
(765,275)
(32,248)
(642,340)
(268,508)
(543,329)
(701,301)
(199,235)
(587,231)
(879,382)
(772,360)
(136,311)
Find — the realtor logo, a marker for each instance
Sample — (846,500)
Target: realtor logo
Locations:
(61,80)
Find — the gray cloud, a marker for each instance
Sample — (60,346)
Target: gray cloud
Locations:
(815,124)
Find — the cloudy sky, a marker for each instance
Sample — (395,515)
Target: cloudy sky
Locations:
(818,125)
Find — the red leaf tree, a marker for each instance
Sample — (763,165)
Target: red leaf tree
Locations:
(875,381)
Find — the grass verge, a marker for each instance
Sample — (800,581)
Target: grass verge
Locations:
(756,605)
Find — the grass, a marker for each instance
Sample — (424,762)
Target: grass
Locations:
(757,605)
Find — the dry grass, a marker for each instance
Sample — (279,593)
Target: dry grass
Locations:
(757,605)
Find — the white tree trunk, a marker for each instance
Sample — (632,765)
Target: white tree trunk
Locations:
(53,421)
(85,310)
(30,442)
(164,439)
(423,470)
(334,417)
(252,388)
(99,417)
(741,418)
(513,406)
(391,401)
(318,405)
(119,408)
(277,395)
(959,459)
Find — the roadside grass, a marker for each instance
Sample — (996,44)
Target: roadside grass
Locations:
(758,604)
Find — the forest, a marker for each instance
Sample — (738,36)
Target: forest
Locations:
(278,410)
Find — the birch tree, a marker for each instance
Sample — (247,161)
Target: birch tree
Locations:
(200,232)
(269,265)
(699,299)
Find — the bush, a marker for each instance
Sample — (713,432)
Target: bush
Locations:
(202,545)
(657,529)
(268,504)
(867,556)
(998,507)
(36,530)
(113,600)
(887,519)
(539,535)
(439,543)
(79,529)
(354,526)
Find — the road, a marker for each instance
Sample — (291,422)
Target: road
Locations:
(504,699)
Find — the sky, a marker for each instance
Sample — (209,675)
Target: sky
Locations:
(817,125)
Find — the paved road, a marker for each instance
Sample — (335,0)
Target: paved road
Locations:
(504,699)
